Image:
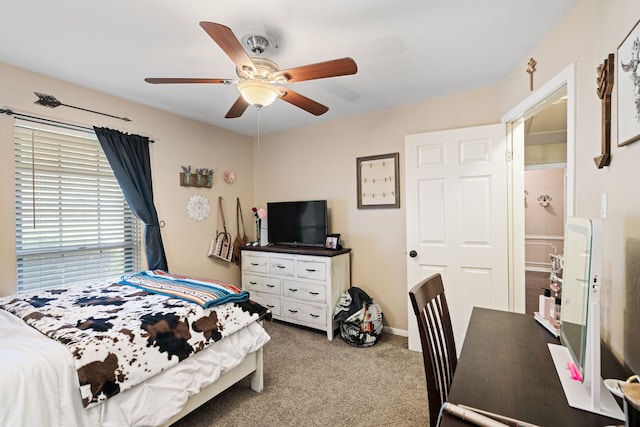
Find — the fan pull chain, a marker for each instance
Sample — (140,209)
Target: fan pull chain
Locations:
(259,117)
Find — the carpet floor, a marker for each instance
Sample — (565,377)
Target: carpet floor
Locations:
(310,381)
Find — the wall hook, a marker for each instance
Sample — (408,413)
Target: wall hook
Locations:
(544,200)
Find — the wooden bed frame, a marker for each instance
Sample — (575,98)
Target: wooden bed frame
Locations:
(252,364)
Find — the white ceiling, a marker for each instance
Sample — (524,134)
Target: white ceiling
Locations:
(407,51)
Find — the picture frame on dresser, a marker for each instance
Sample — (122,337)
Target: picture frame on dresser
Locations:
(333,241)
(378,181)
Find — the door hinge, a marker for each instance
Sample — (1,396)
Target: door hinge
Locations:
(508,156)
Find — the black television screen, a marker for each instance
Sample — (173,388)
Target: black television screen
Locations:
(300,223)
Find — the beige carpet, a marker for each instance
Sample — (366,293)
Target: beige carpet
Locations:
(310,381)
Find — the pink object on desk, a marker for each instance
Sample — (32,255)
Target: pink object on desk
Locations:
(575,373)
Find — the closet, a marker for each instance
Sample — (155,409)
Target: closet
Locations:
(545,178)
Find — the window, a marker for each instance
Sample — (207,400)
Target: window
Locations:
(72,221)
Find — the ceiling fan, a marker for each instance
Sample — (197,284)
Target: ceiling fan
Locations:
(259,79)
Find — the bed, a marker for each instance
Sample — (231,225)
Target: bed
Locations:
(45,358)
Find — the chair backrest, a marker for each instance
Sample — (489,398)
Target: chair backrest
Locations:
(436,336)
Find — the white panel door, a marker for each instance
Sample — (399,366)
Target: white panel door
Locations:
(456,185)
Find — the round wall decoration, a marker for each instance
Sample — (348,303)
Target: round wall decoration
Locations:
(229,176)
(198,207)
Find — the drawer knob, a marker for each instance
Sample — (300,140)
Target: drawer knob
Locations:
(269,285)
(293,311)
(293,290)
(280,266)
(253,283)
(314,293)
(314,315)
(255,264)
(311,270)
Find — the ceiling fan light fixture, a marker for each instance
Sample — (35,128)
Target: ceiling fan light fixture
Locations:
(260,79)
(259,43)
(257,93)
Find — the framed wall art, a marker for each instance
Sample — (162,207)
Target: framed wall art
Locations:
(628,83)
(378,184)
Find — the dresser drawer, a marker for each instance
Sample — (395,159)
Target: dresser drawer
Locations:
(270,285)
(272,302)
(306,313)
(281,266)
(253,263)
(312,270)
(304,291)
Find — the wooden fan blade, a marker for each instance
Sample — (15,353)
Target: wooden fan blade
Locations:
(321,70)
(237,109)
(302,101)
(162,80)
(229,43)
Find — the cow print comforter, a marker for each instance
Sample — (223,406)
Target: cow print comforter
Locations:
(119,335)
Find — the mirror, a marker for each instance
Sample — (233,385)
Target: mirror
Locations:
(575,288)
(580,320)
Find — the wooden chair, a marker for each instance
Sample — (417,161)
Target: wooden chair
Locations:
(436,336)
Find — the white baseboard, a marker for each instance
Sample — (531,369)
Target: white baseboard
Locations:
(395,331)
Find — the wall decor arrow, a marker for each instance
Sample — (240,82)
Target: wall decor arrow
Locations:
(52,102)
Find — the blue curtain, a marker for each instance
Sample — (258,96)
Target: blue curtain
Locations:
(129,158)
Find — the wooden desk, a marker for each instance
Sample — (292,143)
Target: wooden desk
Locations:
(505,367)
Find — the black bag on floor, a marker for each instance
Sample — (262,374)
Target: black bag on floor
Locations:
(359,317)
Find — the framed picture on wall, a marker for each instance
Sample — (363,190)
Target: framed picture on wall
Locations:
(378,184)
(628,84)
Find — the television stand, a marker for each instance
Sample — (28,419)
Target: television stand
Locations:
(300,285)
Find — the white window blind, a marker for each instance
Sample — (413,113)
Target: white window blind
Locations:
(72,221)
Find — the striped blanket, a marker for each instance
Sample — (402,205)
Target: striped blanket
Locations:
(205,292)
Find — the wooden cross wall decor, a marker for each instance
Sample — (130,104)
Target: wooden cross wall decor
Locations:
(531,68)
(605,87)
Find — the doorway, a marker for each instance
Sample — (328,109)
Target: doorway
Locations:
(545,172)
(562,85)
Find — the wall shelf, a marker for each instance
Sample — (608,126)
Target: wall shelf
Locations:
(195,180)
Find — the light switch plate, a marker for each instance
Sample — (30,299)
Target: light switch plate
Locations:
(603,206)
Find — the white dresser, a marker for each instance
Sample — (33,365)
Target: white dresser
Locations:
(299,285)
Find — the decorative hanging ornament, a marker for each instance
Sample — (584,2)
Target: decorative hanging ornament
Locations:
(198,207)
(229,176)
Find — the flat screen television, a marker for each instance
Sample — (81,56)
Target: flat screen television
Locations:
(297,223)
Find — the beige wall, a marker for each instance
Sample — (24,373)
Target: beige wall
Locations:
(319,162)
(591,31)
(178,142)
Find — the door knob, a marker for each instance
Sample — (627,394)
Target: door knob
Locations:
(413,254)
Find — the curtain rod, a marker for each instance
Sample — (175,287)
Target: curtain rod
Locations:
(43,120)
